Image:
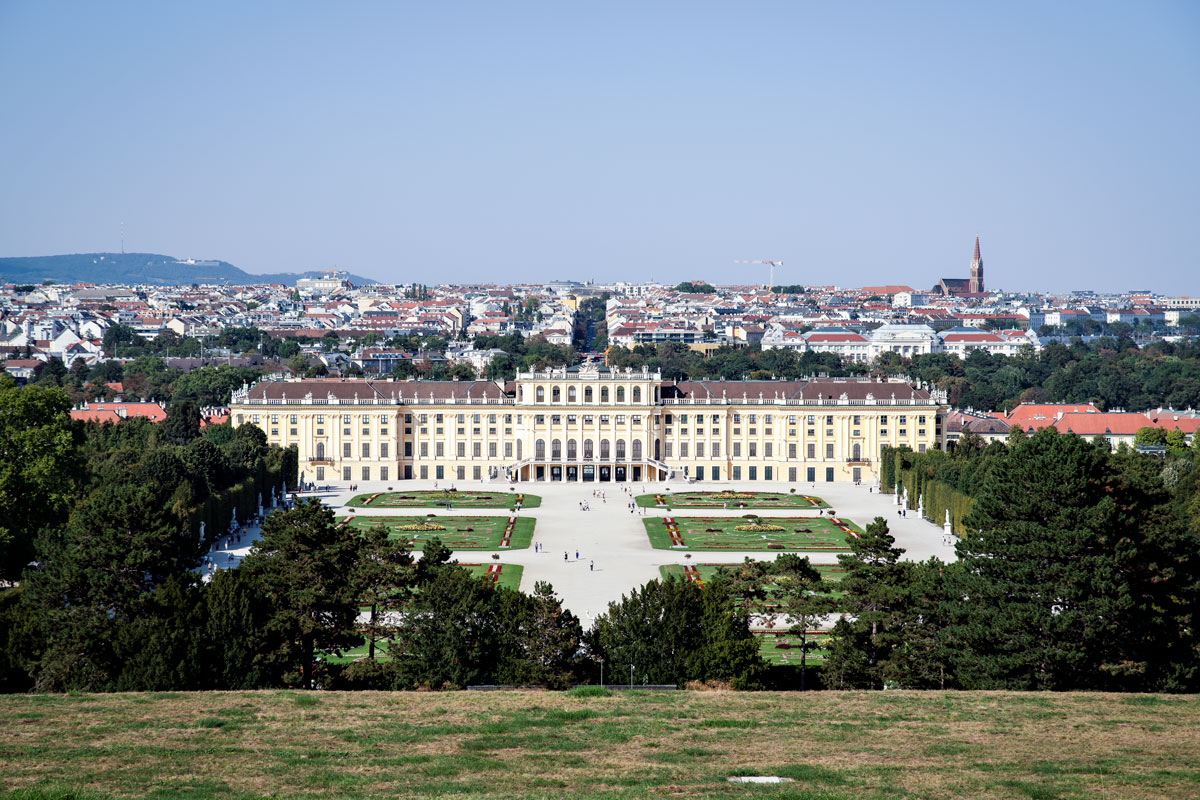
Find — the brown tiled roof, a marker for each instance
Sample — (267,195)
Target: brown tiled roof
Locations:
(362,389)
(794,390)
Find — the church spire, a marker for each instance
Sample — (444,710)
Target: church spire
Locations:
(976,281)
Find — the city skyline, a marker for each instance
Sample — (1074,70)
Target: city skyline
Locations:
(860,145)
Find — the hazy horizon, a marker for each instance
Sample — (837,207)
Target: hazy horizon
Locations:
(861,144)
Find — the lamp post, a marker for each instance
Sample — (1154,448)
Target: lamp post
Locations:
(602,673)
(630,674)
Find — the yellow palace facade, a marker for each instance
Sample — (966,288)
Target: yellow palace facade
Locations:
(592,424)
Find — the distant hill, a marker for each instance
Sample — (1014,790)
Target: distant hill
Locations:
(132,268)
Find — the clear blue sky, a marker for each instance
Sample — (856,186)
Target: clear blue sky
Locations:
(861,143)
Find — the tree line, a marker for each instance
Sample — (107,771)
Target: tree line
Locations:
(1110,372)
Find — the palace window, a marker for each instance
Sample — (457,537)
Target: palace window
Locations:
(620,449)
(637,394)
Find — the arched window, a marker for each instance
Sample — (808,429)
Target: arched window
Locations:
(519,442)
(603,394)
(587,450)
(570,394)
(620,394)
(637,449)
(657,450)
(556,449)
(620,449)
(587,394)
(637,394)
(539,449)
(541,395)
(320,450)
(604,454)
(555,395)
(857,451)
(572,452)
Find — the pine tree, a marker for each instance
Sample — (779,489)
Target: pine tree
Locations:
(874,589)
(305,566)
(385,578)
(1066,562)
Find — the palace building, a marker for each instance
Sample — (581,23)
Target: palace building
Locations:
(591,423)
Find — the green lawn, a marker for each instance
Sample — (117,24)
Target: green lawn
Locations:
(730,499)
(522,745)
(784,648)
(461,498)
(704,573)
(486,532)
(719,533)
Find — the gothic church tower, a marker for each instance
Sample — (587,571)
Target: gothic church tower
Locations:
(976,270)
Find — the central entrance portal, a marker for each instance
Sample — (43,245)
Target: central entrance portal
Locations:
(620,474)
(606,473)
(572,473)
(556,473)
(589,473)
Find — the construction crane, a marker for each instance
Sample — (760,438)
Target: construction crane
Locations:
(773,265)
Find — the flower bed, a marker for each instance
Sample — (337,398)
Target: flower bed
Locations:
(730,499)
(456,532)
(733,533)
(456,498)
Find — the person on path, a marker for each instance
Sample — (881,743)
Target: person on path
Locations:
(565,557)
(576,555)
(591,566)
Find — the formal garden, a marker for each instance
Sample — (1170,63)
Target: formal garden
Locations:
(441,498)
(703,573)
(730,499)
(750,532)
(457,533)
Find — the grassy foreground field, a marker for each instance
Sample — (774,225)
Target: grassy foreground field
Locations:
(864,746)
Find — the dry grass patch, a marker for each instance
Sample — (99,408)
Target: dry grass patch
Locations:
(539,744)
